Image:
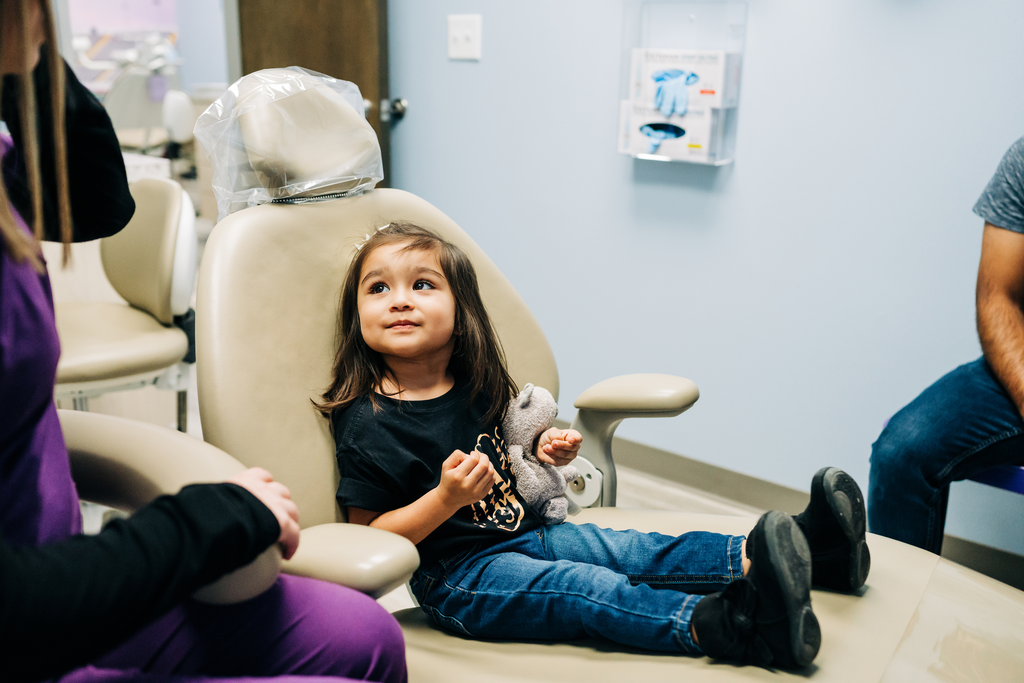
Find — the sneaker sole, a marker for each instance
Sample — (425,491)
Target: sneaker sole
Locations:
(785,542)
(844,498)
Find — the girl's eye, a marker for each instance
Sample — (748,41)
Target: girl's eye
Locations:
(378,288)
(423,284)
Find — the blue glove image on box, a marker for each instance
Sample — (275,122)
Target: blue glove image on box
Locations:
(658,132)
(671,97)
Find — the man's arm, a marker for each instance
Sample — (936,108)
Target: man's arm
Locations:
(999,300)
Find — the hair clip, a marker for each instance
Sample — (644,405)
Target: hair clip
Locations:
(366,237)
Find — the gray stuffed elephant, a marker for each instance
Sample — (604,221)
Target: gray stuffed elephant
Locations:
(542,486)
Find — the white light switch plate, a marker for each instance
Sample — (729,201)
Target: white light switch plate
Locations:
(464,36)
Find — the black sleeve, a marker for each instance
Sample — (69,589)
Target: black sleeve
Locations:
(63,604)
(98,186)
(379,480)
(366,483)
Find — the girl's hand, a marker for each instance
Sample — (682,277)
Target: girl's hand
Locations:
(278,499)
(558,447)
(465,479)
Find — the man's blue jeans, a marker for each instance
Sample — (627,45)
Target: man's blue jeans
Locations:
(962,424)
(572,581)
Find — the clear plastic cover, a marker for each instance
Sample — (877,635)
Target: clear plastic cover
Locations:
(288,135)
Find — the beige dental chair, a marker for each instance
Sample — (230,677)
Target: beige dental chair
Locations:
(267,301)
(117,346)
(125,464)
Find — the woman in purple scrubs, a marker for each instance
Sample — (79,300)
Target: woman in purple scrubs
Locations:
(114,607)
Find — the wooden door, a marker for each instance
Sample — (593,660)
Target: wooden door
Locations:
(346,39)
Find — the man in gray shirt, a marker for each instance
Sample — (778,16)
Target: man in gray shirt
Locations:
(971,419)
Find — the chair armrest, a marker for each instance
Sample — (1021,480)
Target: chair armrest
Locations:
(603,406)
(126,464)
(640,395)
(371,561)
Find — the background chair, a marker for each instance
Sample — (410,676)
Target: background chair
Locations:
(179,119)
(267,300)
(1006,477)
(151,264)
(136,98)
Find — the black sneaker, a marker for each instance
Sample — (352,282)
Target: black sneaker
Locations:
(764,618)
(834,524)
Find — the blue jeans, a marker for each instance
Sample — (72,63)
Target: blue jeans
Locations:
(572,581)
(962,424)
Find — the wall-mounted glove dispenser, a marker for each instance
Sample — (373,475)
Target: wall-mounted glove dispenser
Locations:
(681,63)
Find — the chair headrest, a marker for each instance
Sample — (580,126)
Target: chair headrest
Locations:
(282,134)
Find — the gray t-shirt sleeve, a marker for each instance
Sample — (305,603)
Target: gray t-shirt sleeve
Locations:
(1002,202)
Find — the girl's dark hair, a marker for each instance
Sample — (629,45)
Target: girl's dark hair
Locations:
(477,356)
(19,246)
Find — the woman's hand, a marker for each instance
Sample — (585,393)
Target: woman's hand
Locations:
(558,447)
(278,499)
(465,479)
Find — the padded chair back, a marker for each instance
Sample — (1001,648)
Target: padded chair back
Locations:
(129,102)
(179,116)
(267,305)
(139,260)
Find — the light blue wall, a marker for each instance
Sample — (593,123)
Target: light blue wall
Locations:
(811,289)
(202,42)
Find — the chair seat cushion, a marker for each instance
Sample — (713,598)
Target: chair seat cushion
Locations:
(860,633)
(101,341)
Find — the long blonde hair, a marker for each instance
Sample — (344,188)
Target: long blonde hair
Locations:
(18,245)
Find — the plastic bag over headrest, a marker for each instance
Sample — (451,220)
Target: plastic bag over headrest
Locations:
(288,135)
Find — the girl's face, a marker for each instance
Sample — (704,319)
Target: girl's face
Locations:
(15,56)
(406,307)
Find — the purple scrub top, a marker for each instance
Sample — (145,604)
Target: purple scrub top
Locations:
(38,500)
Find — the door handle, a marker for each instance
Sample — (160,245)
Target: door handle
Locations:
(394,110)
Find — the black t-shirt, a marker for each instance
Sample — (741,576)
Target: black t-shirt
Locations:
(391,457)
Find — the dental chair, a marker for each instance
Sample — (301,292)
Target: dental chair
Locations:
(151,263)
(125,464)
(266,321)
(135,99)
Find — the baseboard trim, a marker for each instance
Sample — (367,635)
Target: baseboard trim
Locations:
(747,490)
(720,481)
(1001,565)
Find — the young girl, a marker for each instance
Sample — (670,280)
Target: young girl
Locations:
(416,404)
